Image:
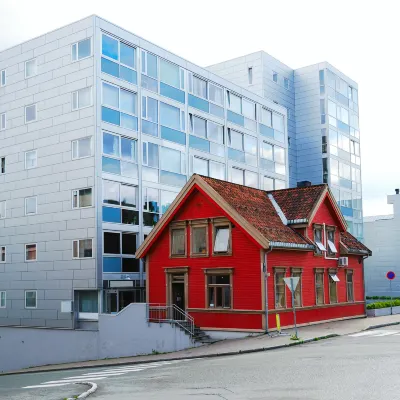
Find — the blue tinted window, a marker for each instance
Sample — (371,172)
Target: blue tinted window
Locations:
(110,144)
(109,115)
(267,164)
(111,264)
(128,75)
(235,118)
(199,144)
(152,66)
(110,47)
(348,212)
(198,103)
(129,122)
(345,183)
(109,67)
(279,136)
(343,127)
(236,155)
(149,83)
(150,219)
(170,178)
(172,92)
(173,135)
(111,214)
(153,155)
(127,55)
(129,169)
(111,165)
(149,128)
(170,116)
(216,110)
(266,131)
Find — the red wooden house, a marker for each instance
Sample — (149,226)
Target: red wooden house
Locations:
(221,251)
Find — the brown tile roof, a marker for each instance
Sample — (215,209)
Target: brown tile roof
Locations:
(255,206)
(352,245)
(298,203)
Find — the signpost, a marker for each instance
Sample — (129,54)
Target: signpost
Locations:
(292,283)
(391,275)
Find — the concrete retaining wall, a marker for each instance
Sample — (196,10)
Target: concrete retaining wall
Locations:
(124,334)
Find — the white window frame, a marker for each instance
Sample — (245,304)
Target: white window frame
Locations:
(5,209)
(26,62)
(5,254)
(81,258)
(143,56)
(190,89)
(119,99)
(5,299)
(31,291)
(191,115)
(2,128)
(26,200)
(119,205)
(3,72)
(31,244)
(34,120)
(77,50)
(31,151)
(120,137)
(77,141)
(76,93)
(78,190)
(181,74)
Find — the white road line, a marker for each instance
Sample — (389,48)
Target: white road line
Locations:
(97,378)
(106,373)
(94,375)
(366,333)
(125,370)
(50,385)
(386,333)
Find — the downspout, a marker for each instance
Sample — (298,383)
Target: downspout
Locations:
(363,275)
(266,286)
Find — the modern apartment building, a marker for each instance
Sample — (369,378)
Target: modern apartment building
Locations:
(323,124)
(99,131)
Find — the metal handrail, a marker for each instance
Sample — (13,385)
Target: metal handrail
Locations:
(170,313)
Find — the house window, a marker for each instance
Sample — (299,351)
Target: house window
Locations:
(286,83)
(30,252)
(199,239)
(81,148)
(2,254)
(171,74)
(208,168)
(349,286)
(280,291)
(151,207)
(3,78)
(275,76)
(3,120)
(82,98)
(333,280)
(30,299)
(3,297)
(298,298)
(222,238)
(82,198)
(178,241)
(30,113)
(219,289)
(2,209)
(119,250)
(81,50)
(30,159)
(2,165)
(82,248)
(331,242)
(250,75)
(30,205)
(30,68)
(319,287)
(318,240)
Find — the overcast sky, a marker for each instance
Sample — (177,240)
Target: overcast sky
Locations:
(360,38)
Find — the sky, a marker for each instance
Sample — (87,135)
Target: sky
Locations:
(359,37)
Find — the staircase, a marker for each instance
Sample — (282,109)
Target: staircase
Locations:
(198,335)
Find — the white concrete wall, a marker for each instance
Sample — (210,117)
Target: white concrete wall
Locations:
(121,335)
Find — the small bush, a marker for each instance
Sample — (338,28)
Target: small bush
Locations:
(383,304)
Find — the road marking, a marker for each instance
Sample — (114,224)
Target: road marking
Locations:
(94,375)
(378,333)
(366,333)
(44,386)
(81,379)
(387,333)
(106,373)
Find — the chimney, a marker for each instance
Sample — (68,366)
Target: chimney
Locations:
(303,184)
(397,191)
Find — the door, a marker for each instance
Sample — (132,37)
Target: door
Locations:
(178,295)
(111,301)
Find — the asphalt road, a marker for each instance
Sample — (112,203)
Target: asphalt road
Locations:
(362,366)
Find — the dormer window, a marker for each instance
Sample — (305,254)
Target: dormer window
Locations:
(318,240)
(330,233)
(222,238)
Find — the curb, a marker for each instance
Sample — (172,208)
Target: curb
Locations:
(228,353)
(93,388)
(382,325)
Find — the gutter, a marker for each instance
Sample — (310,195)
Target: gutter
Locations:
(266,284)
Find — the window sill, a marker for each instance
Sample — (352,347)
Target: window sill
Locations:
(199,255)
(178,256)
(221,254)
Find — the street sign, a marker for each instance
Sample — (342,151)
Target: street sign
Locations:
(292,282)
(390,275)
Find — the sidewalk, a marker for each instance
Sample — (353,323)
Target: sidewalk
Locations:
(237,346)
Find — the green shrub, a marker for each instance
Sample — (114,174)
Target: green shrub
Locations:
(375,297)
(383,304)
